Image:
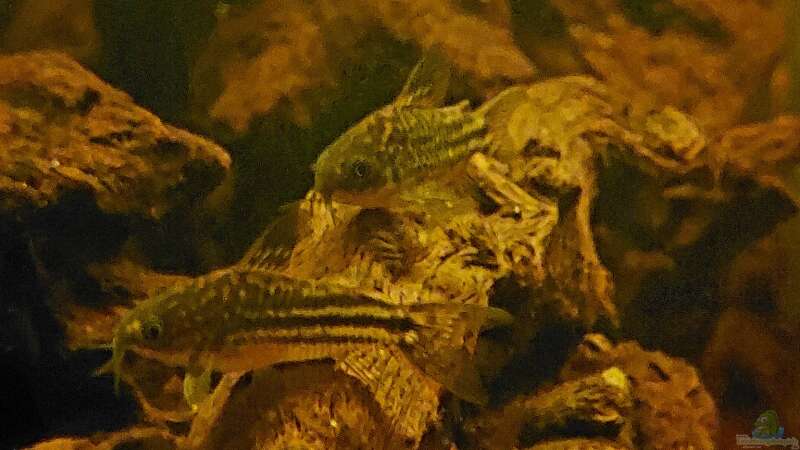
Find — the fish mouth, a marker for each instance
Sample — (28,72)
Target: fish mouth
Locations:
(323,184)
(324,194)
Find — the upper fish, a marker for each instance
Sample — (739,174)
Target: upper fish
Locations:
(409,140)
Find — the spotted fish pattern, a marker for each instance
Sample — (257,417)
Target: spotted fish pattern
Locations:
(244,319)
(412,139)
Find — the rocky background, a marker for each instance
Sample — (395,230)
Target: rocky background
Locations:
(644,237)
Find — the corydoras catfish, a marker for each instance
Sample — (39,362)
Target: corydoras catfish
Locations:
(411,141)
(242,319)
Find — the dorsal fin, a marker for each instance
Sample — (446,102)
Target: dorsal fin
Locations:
(274,246)
(427,84)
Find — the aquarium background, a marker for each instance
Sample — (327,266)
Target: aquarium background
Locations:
(709,279)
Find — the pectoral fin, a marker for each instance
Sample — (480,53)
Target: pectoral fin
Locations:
(196,386)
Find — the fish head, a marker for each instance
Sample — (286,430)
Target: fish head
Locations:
(160,327)
(363,159)
(141,327)
(353,163)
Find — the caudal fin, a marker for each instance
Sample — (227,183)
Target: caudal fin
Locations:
(501,112)
(439,345)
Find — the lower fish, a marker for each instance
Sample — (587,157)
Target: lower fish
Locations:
(244,319)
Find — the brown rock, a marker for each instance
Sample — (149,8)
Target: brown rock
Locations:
(63,129)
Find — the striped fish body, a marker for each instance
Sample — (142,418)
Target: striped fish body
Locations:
(241,320)
(412,140)
(395,149)
(429,139)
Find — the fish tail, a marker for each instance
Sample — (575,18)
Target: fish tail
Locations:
(438,346)
(498,113)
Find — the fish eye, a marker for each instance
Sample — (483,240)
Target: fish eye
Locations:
(151,331)
(360,168)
